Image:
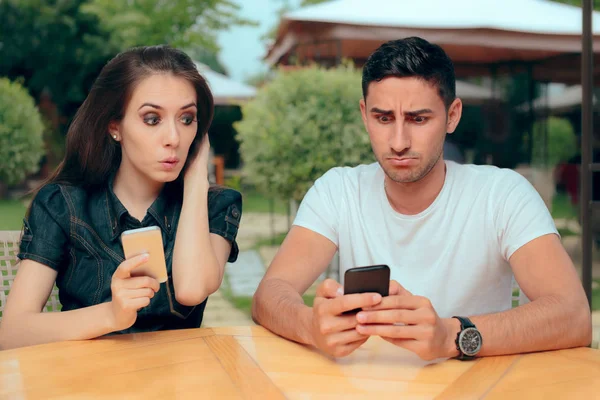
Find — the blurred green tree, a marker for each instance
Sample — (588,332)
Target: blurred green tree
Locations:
(59,47)
(21,133)
(561,145)
(301,124)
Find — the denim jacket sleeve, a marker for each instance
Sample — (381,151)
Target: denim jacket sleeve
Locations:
(46,229)
(224,215)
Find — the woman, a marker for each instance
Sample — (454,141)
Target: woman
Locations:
(136,156)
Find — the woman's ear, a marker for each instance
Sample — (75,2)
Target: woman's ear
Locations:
(113,130)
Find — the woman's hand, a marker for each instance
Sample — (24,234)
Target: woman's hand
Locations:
(196,174)
(129,294)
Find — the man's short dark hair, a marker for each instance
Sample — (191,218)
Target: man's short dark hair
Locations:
(412,57)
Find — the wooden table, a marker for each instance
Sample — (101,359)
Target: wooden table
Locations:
(250,362)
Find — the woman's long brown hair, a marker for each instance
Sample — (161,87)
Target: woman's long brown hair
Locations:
(91,155)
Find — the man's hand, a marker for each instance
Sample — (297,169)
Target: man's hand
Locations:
(333,332)
(410,322)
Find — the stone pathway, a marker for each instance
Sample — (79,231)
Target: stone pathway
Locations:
(245,274)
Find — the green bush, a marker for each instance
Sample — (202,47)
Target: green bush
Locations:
(562,142)
(300,125)
(21,133)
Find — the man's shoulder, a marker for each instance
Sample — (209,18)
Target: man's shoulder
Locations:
(487,175)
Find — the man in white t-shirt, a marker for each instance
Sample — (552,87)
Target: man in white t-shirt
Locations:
(453,236)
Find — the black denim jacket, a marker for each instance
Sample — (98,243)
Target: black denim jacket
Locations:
(77,233)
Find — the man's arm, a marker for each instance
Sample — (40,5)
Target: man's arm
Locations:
(557,317)
(278,303)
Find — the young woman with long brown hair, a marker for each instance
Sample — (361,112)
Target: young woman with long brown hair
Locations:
(136,156)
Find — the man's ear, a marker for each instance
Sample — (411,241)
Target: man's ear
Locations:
(454,114)
(363,111)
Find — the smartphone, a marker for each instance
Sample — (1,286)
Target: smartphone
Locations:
(369,279)
(146,240)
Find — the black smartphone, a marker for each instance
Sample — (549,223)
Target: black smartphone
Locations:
(369,279)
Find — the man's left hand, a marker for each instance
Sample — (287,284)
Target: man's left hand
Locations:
(410,322)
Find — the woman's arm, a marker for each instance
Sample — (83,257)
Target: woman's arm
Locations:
(199,257)
(24,323)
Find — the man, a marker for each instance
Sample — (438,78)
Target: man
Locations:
(452,235)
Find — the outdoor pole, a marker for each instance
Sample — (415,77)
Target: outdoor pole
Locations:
(587,85)
(545,123)
(530,99)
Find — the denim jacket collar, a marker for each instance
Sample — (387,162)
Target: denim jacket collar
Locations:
(163,210)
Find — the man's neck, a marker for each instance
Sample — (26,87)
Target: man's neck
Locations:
(415,197)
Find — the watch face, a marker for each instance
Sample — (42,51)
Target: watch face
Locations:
(470,341)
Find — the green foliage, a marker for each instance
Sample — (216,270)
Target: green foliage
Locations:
(300,125)
(312,2)
(61,46)
(180,23)
(11,215)
(21,132)
(53,46)
(562,142)
(578,3)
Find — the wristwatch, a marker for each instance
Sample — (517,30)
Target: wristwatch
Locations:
(468,341)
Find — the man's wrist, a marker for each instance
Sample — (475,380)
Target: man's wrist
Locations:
(452,326)
(306,334)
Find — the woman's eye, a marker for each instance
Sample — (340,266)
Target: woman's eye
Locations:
(187,119)
(151,119)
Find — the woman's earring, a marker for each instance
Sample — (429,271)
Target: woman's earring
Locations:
(115,137)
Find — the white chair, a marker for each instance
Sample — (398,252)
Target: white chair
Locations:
(9,248)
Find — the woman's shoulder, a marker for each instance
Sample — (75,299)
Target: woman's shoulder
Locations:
(224,194)
(60,195)
(221,198)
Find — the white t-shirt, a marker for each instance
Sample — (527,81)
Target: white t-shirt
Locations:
(455,252)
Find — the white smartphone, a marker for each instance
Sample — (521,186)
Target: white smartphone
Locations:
(146,240)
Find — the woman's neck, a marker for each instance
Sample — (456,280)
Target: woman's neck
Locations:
(135,190)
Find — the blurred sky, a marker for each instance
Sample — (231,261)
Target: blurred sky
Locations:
(241,47)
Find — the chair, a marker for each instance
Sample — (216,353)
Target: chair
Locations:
(9,248)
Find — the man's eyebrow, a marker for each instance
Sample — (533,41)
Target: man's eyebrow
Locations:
(418,112)
(380,111)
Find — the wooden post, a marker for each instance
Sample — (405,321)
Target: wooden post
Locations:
(219,162)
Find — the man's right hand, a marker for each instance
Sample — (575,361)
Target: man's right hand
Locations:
(333,332)
(130,294)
